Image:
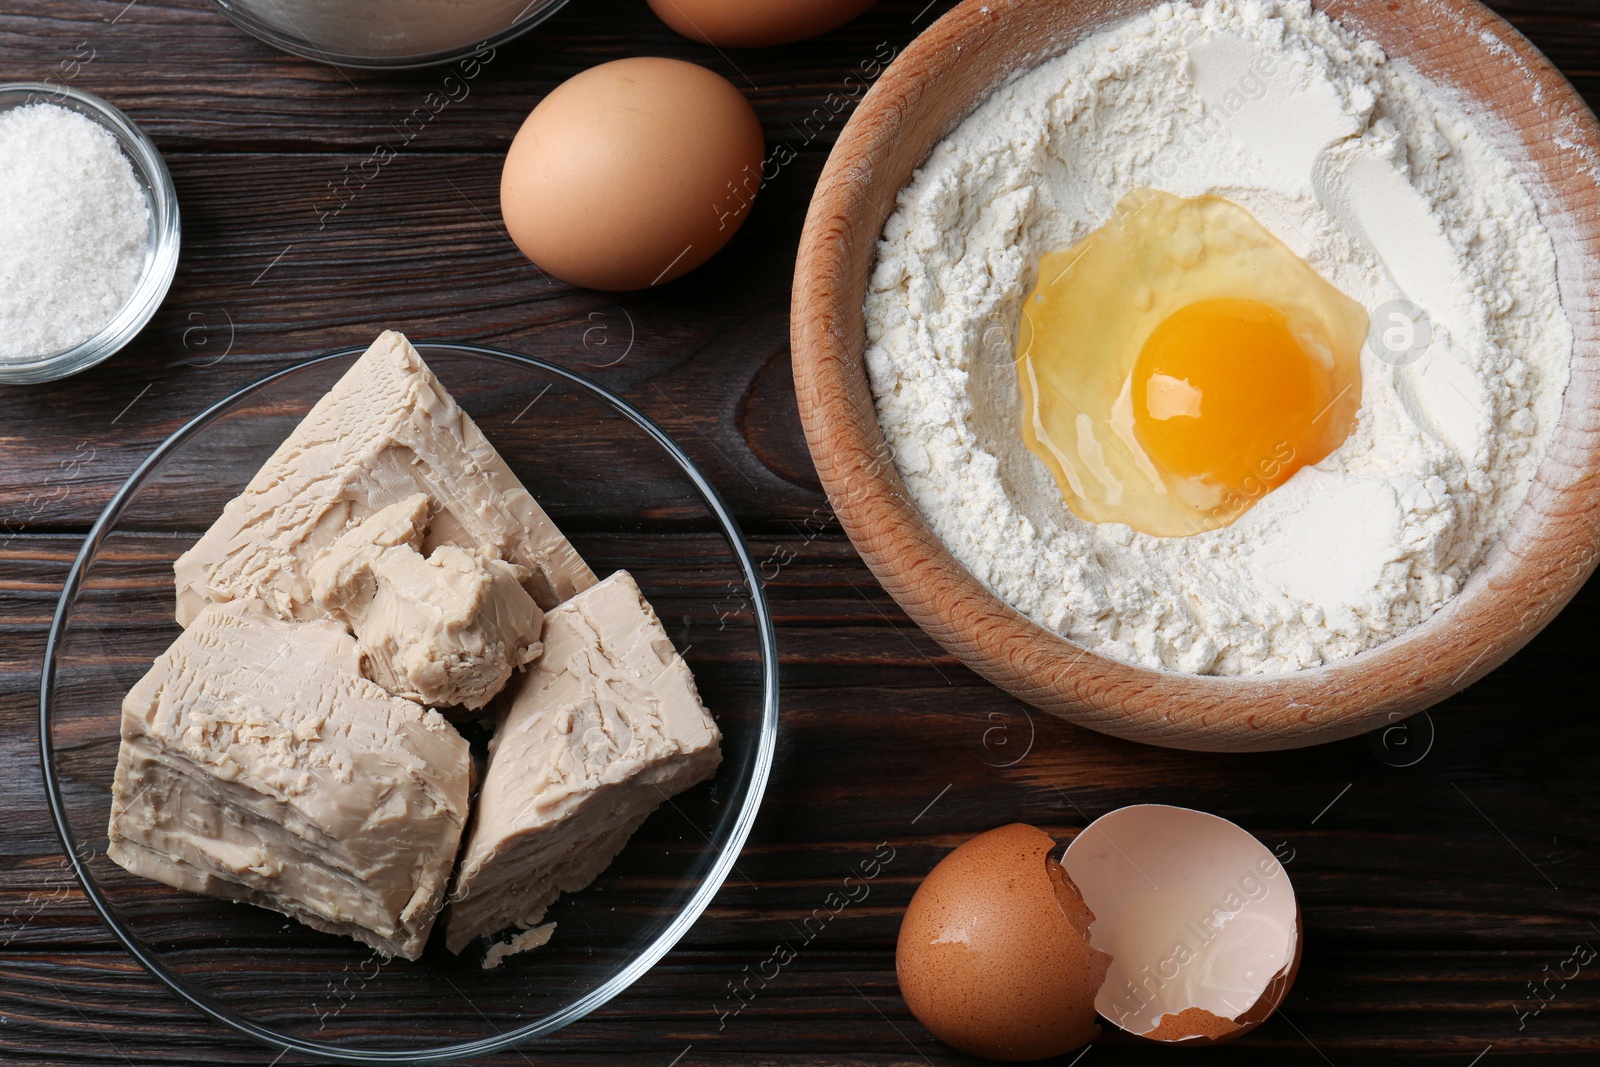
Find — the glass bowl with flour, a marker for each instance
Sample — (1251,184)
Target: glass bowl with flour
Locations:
(1388,186)
(388,34)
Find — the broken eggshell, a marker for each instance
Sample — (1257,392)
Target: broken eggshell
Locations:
(993,956)
(1198,917)
(1177,926)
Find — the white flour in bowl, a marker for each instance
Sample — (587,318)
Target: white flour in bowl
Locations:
(1379,180)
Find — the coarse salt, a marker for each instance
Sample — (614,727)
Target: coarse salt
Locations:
(74,230)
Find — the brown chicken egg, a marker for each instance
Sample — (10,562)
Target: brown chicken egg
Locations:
(632,173)
(756,23)
(993,956)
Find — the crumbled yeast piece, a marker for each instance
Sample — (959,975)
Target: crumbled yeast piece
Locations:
(386,431)
(441,629)
(526,941)
(258,765)
(602,729)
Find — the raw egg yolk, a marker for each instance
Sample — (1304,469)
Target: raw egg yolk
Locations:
(1224,392)
(1180,363)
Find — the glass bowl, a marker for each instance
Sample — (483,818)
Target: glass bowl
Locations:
(387,34)
(161,255)
(626,496)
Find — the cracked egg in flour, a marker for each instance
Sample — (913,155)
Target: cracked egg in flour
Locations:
(1181,362)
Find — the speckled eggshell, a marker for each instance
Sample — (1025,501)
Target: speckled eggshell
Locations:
(755,23)
(993,956)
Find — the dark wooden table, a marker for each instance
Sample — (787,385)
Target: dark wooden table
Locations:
(1441,897)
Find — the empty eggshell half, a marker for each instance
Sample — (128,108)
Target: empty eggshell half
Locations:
(1198,917)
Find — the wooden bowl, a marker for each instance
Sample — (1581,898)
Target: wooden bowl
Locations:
(1542,559)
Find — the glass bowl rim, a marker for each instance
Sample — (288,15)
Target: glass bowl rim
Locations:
(710,884)
(297,46)
(166,238)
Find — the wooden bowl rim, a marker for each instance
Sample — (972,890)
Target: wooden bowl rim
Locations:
(1541,560)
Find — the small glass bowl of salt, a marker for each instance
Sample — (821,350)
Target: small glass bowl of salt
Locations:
(89,231)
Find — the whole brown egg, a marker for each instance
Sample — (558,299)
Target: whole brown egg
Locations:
(993,955)
(756,23)
(632,173)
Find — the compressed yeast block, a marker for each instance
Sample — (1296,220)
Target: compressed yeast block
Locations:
(385,431)
(258,765)
(606,726)
(442,629)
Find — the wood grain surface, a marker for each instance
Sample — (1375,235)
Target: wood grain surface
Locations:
(1445,876)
